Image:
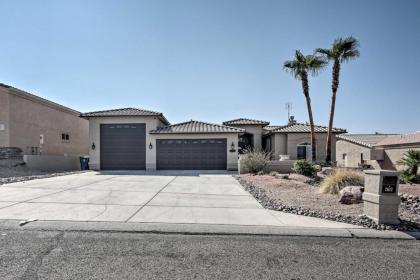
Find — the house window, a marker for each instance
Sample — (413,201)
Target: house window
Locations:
(304,151)
(65,137)
(344,157)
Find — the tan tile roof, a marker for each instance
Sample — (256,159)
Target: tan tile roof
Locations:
(273,127)
(244,121)
(196,127)
(402,139)
(367,140)
(125,112)
(300,127)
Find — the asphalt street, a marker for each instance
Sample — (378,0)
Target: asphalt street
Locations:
(34,254)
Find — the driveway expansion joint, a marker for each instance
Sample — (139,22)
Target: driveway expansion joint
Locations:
(147,202)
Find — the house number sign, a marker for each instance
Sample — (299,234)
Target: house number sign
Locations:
(389,184)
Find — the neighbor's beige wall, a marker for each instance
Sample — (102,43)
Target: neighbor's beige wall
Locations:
(392,155)
(353,152)
(232,157)
(29,119)
(4,118)
(94,136)
(294,139)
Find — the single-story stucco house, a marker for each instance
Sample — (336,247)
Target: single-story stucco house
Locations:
(51,136)
(133,138)
(378,151)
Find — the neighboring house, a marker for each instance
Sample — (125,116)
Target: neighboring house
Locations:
(39,126)
(378,151)
(132,138)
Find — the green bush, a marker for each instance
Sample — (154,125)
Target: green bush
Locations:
(341,178)
(304,167)
(256,161)
(407,177)
(411,162)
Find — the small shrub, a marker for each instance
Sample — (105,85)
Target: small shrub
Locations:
(407,177)
(341,178)
(274,173)
(411,160)
(304,167)
(256,161)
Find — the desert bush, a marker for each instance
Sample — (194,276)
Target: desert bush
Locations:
(341,178)
(411,162)
(304,167)
(256,161)
(407,177)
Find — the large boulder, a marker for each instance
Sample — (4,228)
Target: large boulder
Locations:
(351,195)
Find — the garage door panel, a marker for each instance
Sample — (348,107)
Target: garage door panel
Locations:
(192,154)
(123,146)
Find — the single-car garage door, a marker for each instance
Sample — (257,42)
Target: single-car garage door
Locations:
(191,154)
(123,146)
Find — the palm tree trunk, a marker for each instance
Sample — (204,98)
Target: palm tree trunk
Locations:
(305,87)
(335,82)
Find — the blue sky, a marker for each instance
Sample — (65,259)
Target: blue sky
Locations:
(216,60)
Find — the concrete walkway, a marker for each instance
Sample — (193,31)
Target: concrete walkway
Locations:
(145,197)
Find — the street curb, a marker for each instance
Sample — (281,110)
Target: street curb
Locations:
(207,229)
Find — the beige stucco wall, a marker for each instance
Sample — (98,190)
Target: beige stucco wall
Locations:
(392,155)
(353,152)
(286,144)
(257,131)
(279,145)
(232,157)
(94,135)
(28,119)
(4,119)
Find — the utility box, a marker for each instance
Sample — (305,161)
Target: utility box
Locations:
(380,198)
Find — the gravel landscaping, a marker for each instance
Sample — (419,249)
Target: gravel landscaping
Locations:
(22,173)
(300,195)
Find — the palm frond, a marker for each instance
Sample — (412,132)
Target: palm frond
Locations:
(315,64)
(324,52)
(343,49)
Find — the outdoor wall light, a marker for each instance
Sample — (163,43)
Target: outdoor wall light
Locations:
(232,147)
(93,146)
(150,146)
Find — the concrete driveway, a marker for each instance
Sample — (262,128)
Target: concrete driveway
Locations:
(143,197)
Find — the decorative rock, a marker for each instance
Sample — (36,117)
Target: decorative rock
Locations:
(351,195)
(361,220)
(327,170)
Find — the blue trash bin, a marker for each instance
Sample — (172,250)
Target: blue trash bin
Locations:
(84,163)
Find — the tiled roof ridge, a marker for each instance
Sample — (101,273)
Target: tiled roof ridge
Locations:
(307,125)
(123,109)
(163,128)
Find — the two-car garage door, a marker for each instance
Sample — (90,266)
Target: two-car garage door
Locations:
(123,147)
(191,154)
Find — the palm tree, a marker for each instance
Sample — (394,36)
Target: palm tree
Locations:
(411,160)
(342,50)
(299,67)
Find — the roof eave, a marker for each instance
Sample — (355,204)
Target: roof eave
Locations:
(219,132)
